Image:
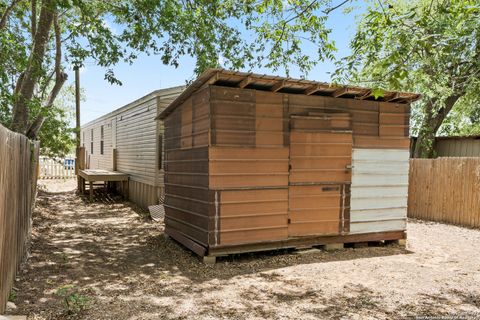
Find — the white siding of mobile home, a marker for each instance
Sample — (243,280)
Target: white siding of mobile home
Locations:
(95,159)
(137,141)
(379,190)
(133,131)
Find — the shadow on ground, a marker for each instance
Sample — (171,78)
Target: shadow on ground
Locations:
(111,253)
(99,236)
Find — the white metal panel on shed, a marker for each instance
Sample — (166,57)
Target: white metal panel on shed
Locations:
(379,214)
(379,179)
(379,190)
(379,226)
(376,155)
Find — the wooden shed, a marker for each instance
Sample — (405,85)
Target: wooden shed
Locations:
(255,162)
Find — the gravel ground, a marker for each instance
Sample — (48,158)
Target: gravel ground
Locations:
(109,262)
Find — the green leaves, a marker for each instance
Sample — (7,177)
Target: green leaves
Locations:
(378,92)
(233,34)
(57,135)
(110,77)
(431,47)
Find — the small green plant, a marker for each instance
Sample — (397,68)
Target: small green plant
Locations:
(12,296)
(63,257)
(73,300)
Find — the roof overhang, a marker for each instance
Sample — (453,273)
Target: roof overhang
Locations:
(236,79)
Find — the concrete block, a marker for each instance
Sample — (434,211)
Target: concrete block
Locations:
(307,251)
(209,260)
(333,246)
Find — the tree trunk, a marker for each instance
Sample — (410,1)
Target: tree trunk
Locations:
(6,13)
(33,70)
(425,145)
(60,78)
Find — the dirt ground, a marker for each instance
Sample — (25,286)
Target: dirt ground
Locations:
(109,262)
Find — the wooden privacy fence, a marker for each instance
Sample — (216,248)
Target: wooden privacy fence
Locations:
(445,190)
(18,175)
(57,168)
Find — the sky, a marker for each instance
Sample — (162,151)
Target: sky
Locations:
(148,73)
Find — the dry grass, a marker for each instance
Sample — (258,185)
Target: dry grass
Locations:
(128,270)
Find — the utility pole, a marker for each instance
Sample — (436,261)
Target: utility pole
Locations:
(77,125)
(77,105)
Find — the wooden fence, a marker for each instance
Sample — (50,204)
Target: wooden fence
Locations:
(57,168)
(18,174)
(445,190)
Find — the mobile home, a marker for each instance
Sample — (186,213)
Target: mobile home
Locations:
(256,162)
(129,140)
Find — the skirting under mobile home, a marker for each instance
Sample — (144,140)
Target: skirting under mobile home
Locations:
(130,140)
(255,162)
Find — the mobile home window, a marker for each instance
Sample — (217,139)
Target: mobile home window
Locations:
(101,140)
(91,141)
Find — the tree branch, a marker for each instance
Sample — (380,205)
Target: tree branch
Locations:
(444,111)
(60,78)
(329,10)
(58,47)
(33,70)
(33,18)
(18,84)
(6,14)
(286,22)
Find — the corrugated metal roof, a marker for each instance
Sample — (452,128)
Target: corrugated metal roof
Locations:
(238,79)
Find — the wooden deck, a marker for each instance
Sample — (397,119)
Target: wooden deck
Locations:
(91,176)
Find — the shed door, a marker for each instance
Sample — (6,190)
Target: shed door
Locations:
(320,174)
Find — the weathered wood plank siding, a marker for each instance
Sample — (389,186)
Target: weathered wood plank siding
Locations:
(379,190)
(252,189)
(248,165)
(445,190)
(188,201)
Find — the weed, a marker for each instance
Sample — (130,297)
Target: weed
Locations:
(63,257)
(73,300)
(12,296)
